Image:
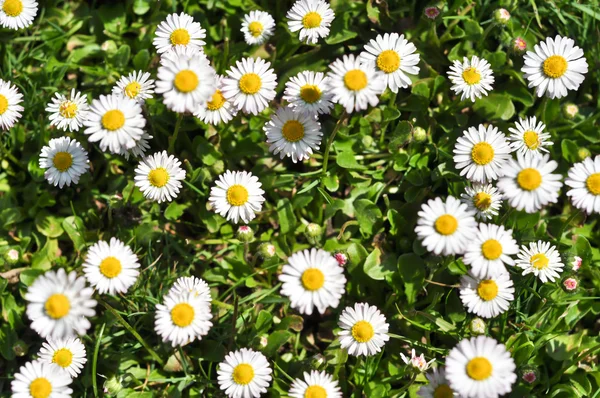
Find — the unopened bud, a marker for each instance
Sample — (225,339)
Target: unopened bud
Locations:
(529,374)
(266,250)
(501,16)
(112,385)
(20,348)
(570,110)
(583,153)
(477,326)
(314,231)
(576,263)
(519,45)
(570,284)
(341,258)
(432,12)
(12,256)
(419,134)
(245,233)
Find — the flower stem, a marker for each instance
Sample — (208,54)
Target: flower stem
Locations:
(173,138)
(95,361)
(328,147)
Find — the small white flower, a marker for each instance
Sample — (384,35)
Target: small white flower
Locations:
(190,284)
(250,85)
(39,379)
(364,330)
(488,296)
(540,259)
(484,199)
(179,30)
(258,27)
(315,385)
(244,374)
(182,318)
(237,195)
(307,92)
(65,161)
(137,86)
(417,362)
(218,109)
(312,18)
(472,78)
(68,113)
(584,180)
(17,14)
(528,137)
(293,134)
(140,148)
(69,354)
(438,385)
(10,110)
(490,250)
(159,177)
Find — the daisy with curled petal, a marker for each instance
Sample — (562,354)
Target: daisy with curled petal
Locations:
(65,161)
(10,110)
(312,18)
(315,385)
(584,179)
(17,14)
(190,284)
(395,57)
(307,93)
(488,296)
(293,134)
(237,195)
(484,199)
(244,374)
(182,318)
(528,137)
(554,67)
(69,354)
(140,148)
(179,30)
(68,113)
(481,153)
(38,379)
(364,330)
(257,27)
(472,78)
(490,250)
(250,85)
(159,177)
(417,362)
(438,385)
(217,110)
(137,86)
(540,259)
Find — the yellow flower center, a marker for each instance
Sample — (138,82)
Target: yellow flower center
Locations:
(158,177)
(132,89)
(237,195)
(479,368)
(593,183)
(250,83)
(313,279)
(443,391)
(555,66)
(531,139)
(539,261)
(491,249)
(110,267)
(310,93)
(255,28)
(180,36)
(471,76)
(315,392)
(487,289)
(312,20)
(68,109)
(388,61)
(529,179)
(3,104)
(216,102)
(62,161)
(57,306)
(40,388)
(362,331)
(355,80)
(482,200)
(293,131)
(446,224)
(186,81)
(243,374)
(13,8)
(63,357)
(113,120)
(182,315)
(482,153)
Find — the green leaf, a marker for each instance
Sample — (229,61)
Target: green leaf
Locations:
(263,321)
(121,58)
(140,7)
(75,228)
(43,258)
(28,276)
(495,106)
(113,17)
(275,341)
(368,215)
(570,150)
(285,215)
(412,272)
(141,60)
(347,160)
(49,225)
(377,266)
(175,210)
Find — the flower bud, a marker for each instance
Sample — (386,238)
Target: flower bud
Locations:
(519,45)
(501,16)
(314,231)
(570,110)
(266,250)
(245,233)
(12,256)
(419,134)
(570,284)
(529,374)
(317,361)
(432,12)
(112,385)
(576,263)
(341,258)
(20,348)
(583,153)
(477,326)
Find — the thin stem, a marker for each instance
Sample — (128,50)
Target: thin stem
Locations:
(173,138)
(328,147)
(95,361)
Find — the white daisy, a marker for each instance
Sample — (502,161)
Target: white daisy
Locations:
(65,161)
(480,367)
(490,250)
(217,109)
(116,122)
(179,30)
(307,92)
(540,259)
(364,329)
(68,113)
(312,18)
(137,86)
(481,153)
(111,267)
(140,148)
(244,374)
(293,134)
(250,85)
(258,27)
(488,296)
(186,80)
(353,84)
(69,354)
(528,183)
(159,177)
(17,14)
(554,67)
(182,318)
(438,385)
(237,195)
(445,227)
(60,304)
(528,137)
(472,78)
(39,379)
(315,385)
(10,110)
(584,179)
(312,279)
(483,199)
(395,57)
(190,284)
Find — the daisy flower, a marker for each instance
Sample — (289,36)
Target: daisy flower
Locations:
(528,137)
(584,179)
(528,183)
(111,267)
(69,354)
(190,284)
(417,362)
(182,318)
(445,227)
(483,199)
(312,18)
(179,30)
(480,367)
(237,195)
(364,330)
(312,279)
(159,177)
(186,80)
(39,379)
(554,67)
(292,134)
(140,148)
(257,27)
(540,259)
(353,84)
(65,161)
(17,14)
(68,113)
(137,86)
(395,57)
(116,122)
(488,296)
(438,385)
(315,385)
(217,109)
(490,250)
(10,110)
(60,304)
(307,93)
(472,78)
(250,85)
(481,153)
(244,374)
